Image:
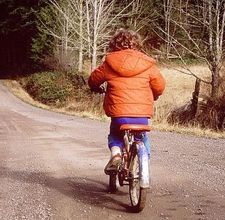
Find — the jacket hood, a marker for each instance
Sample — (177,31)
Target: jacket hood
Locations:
(129,62)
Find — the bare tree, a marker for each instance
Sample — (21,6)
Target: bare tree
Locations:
(89,24)
(138,14)
(73,13)
(80,66)
(215,26)
(202,36)
(167,6)
(104,20)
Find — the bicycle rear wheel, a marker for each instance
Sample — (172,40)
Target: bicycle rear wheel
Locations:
(137,193)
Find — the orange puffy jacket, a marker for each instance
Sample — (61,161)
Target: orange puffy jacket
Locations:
(133,83)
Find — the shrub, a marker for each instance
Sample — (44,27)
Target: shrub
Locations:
(51,88)
(68,90)
(211,113)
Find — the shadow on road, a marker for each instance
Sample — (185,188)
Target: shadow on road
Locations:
(85,190)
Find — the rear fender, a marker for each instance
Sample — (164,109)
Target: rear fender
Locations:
(143,164)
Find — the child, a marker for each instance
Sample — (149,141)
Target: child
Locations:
(133,83)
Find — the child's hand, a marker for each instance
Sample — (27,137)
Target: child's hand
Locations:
(100,89)
(155,97)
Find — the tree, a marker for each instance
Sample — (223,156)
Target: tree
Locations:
(42,42)
(90,22)
(103,20)
(17,26)
(215,27)
(55,21)
(201,27)
(168,5)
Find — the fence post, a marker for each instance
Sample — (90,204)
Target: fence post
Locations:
(195,95)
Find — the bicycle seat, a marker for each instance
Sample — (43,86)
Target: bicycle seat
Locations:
(135,127)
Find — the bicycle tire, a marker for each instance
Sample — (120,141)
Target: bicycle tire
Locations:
(137,194)
(112,183)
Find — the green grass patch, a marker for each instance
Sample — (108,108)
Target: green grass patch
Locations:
(51,88)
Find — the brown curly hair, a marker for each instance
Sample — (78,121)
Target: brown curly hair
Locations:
(125,39)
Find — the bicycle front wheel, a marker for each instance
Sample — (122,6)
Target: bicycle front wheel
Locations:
(137,193)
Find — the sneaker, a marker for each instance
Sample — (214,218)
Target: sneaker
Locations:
(113,164)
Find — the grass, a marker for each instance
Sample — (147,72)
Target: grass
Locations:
(178,91)
(191,130)
(179,88)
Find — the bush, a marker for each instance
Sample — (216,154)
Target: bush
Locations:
(211,114)
(68,90)
(51,88)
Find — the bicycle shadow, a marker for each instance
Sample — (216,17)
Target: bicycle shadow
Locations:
(85,190)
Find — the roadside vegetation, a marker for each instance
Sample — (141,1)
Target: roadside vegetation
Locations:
(66,91)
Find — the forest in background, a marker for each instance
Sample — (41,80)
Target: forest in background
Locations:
(72,36)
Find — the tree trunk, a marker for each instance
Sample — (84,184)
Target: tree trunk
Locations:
(167,13)
(94,49)
(94,56)
(88,20)
(80,61)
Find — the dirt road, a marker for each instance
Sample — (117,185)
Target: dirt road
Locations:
(51,167)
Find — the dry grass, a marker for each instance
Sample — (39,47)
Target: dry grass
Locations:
(17,90)
(191,130)
(178,91)
(179,88)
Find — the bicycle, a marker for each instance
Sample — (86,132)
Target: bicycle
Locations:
(134,168)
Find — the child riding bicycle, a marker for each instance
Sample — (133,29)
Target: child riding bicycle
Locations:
(133,84)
